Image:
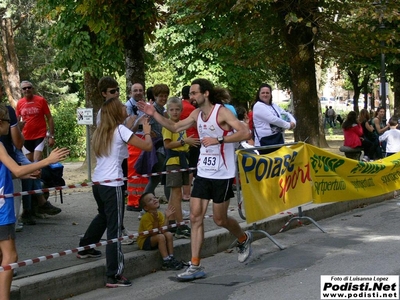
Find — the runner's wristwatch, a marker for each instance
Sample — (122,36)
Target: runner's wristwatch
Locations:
(220,139)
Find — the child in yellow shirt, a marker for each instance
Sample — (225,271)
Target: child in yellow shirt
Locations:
(177,149)
(163,239)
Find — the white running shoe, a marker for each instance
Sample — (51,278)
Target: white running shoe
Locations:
(192,272)
(128,241)
(185,214)
(244,248)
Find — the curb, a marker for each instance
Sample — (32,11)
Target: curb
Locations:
(90,276)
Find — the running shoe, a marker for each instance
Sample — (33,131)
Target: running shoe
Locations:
(19,227)
(133,208)
(182,232)
(27,218)
(128,241)
(117,281)
(48,209)
(171,264)
(91,253)
(185,214)
(244,248)
(192,272)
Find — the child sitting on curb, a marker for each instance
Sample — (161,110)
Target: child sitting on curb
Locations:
(163,239)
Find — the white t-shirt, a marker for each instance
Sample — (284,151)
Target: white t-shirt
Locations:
(392,137)
(109,167)
(98,120)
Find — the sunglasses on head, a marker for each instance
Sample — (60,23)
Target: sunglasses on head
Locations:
(113,91)
(26,88)
(5,120)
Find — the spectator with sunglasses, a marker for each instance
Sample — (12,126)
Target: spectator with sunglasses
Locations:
(36,122)
(109,89)
(35,114)
(135,185)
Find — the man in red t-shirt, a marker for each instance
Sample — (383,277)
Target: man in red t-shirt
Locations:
(34,111)
(194,152)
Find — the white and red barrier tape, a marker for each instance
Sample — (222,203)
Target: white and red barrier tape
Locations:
(88,184)
(91,246)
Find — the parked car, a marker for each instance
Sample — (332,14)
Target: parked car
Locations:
(324,101)
(350,102)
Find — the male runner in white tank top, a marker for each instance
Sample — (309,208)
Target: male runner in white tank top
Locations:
(219,130)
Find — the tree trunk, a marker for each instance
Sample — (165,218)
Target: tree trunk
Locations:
(93,99)
(9,62)
(367,101)
(299,42)
(354,76)
(134,59)
(396,89)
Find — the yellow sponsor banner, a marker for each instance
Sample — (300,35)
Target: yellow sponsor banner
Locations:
(298,174)
(274,182)
(337,178)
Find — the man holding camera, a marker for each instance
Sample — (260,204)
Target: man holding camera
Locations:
(137,94)
(135,185)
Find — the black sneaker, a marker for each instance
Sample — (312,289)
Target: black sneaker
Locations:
(48,209)
(133,208)
(93,253)
(183,232)
(27,218)
(178,265)
(171,264)
(167,265)
(172,229)
(117,281)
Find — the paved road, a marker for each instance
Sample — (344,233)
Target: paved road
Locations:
(364,241)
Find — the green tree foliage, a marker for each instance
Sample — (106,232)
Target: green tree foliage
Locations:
(67,132)
(103,36)
(34,54)
(82,49)
(243,43)
(201,42)
(237,44)
(252,42)
(355,38)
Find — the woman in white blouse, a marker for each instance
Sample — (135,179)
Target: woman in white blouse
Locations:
(269,119)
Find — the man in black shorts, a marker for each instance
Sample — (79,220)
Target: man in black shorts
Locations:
(219,130)
(35,114)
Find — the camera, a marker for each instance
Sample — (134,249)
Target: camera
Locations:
(135,109)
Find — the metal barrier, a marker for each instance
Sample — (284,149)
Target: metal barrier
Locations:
(260,151)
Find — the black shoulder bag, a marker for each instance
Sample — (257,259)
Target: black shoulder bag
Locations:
(273,139)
